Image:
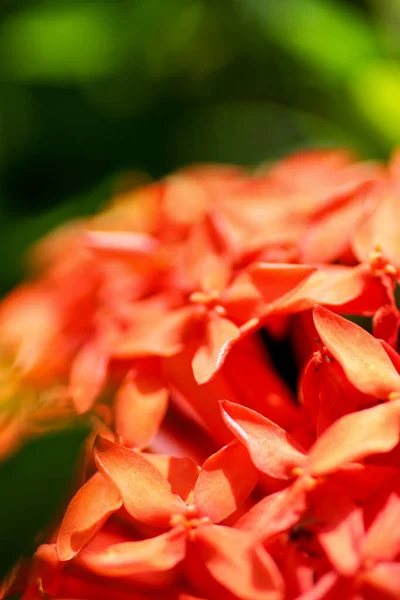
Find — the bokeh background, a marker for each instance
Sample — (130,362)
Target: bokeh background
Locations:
(95,90)
(90,89)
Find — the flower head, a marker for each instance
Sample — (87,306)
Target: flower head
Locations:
(248,426)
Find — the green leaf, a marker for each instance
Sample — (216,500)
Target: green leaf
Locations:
(331,37)
(61,43)
(33,483)
(375,89)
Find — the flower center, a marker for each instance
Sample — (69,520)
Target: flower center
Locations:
(379,264)
(190,521)
(209,300)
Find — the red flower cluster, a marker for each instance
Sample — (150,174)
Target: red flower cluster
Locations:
(210,478)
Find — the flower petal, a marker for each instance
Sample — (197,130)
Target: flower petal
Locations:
(380,228)
(159,553)
(275,513)
(362,357)
(386,323)
(154,330)
(185,199)
(141,249)
(145,493)
(87,512)
(330,587)
(273,281)
(330,231)
(247,571)
(241,299)
(382,581)
(180,472)
(88,376)
(272,450)
(262,390)
(355,436)
(332,285)
(219,336)
(382,541)
(140,406)
(225,481)
(340,527)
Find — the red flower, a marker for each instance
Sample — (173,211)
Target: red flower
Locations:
(209,319)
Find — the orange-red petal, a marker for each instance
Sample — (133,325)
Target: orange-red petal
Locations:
(247,571)
(225,481)
(127,559)
(361,356)
(272,450)
(356,436)
(275,513)
(87,512)
(146,495)
(88,376)
(180,472)
(275,281)
(340,527)
(140,406)
(382,541)
(219,336)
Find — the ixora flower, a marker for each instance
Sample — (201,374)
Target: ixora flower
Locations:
(233,338)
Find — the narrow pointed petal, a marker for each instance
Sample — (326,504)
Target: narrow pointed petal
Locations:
(154,331)
(380,228)
(204,264)
(87,512)
(329,587)
(275,513)
(273,281)
(330,232)
(381,582)
(272,450)
(386,323)
(382,541)
(142,250)
(180,472)
(356,436)
(332,285)
(340,527)
(156,554)
(220,334)
(216,272)
(88,376)
(352,288)
(140,406)
(361,356)
(225,481)
(392,354)
(246,571)
(242,299)
(145,493)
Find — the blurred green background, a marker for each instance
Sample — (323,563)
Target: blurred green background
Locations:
(91,89)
